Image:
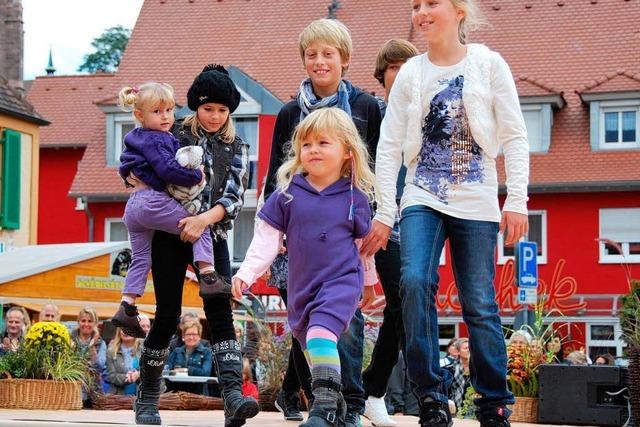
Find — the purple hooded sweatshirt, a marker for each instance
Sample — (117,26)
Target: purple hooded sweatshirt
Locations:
(325,272)
(151,156)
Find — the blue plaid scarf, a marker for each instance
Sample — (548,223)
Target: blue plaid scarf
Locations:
(309,102)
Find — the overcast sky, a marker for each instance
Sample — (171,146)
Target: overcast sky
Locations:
(69,27)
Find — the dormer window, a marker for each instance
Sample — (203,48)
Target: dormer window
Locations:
(614,112)
(537,102)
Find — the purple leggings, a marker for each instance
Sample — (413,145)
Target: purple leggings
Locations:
(148,210)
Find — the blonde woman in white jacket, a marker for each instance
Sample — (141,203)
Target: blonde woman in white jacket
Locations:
(451,112)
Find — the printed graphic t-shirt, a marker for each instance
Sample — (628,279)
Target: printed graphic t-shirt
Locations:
(451,174)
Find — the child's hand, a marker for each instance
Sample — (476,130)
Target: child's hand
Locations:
(237,287)
(204,177)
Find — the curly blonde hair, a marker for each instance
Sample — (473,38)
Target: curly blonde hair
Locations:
(335,122)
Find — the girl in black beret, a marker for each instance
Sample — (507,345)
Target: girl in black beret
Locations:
(212,97)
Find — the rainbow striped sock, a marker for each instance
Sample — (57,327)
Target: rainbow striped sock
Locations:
(322,348)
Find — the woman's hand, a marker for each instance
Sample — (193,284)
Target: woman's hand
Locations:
(132,376)
(376,239)
(516,225)
(237,287)
(192,227)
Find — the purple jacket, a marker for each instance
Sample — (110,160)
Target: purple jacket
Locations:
(151,156)
(325,273)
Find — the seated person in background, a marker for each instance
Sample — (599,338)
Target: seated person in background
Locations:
(577,357)
(521,337)
(461,374)
(193,355)
(16,323)
(176,340)
(123,368)
(248,386)
(605,359)
(452,353)
(145,323)
(49,313)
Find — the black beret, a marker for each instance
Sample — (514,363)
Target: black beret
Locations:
(213,84)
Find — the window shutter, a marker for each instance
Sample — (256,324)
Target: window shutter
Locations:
(10,207)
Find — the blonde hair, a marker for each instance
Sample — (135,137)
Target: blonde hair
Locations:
(116,343)
(335,122)
(189,324)
(473,18)
(227,132)
(89,311)
(393,51)
(146,96)
(330,31)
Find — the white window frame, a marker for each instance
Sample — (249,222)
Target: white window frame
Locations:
(616,342)
(119,122)
(606,258)
(107,227)
(253,157)
(618,107)
(542,258)
(231,236)
(546,122)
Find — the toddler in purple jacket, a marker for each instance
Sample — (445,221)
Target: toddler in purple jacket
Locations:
(322,205)
(150,154)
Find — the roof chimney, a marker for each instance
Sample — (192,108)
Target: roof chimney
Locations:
(11,41)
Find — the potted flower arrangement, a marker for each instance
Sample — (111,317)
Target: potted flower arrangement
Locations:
(523,364)
(45,372)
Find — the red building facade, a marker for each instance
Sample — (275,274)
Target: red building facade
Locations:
(582,112)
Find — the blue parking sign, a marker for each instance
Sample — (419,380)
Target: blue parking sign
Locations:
(527,264)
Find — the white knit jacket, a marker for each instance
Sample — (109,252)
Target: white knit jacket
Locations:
(491,103)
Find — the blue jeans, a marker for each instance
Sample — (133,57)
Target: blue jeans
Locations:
(424,231)
(350,349)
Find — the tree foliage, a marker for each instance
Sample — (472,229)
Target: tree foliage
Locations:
(109,48)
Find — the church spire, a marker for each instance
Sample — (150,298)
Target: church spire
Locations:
(50,68)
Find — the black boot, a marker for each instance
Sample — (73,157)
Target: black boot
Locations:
(328,408)
(213,285)
(228,361)
(434,414)
(146,403)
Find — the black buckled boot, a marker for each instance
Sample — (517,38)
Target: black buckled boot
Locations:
(212,285)
(146,403)
(228,361)
(328,408)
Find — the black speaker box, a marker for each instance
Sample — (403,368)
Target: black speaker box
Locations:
(582,395)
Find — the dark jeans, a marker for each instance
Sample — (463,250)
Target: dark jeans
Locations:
(169,260)
(350,350)
(391,335)
(298,373)
(423,233)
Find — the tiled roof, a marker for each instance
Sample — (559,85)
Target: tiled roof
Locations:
(551,49)
(529,87)
(68,102)
(620,81)
(13,103)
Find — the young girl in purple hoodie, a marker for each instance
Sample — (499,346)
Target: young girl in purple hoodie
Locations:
(150,154)
(322,205)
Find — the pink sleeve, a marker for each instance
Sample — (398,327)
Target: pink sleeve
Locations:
(369,264)
(263,249)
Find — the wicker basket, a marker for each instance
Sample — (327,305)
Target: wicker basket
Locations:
(525,410)
(39,394)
